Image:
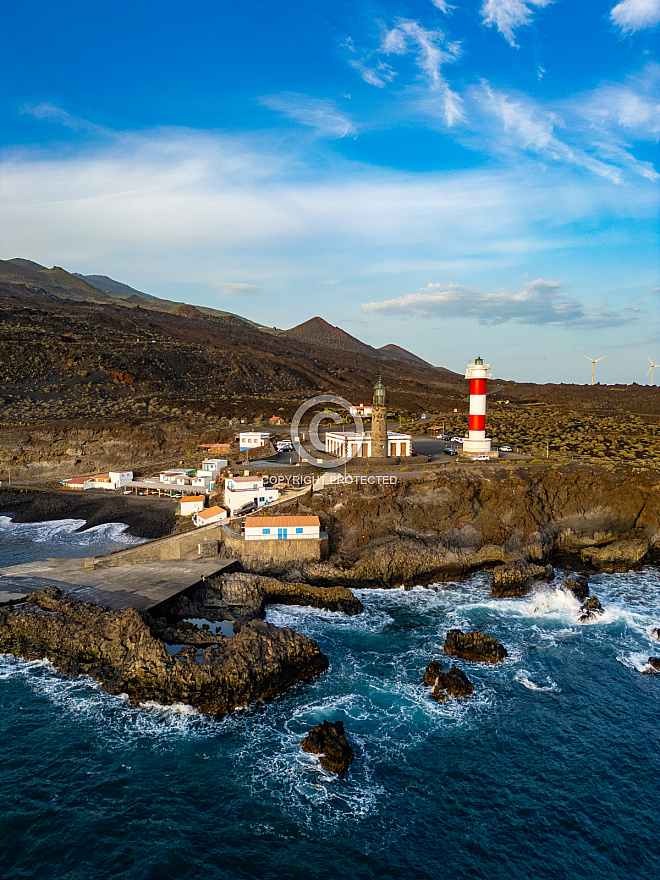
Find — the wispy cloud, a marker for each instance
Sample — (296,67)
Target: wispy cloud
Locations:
(318,113)
(508,15)
(531,128)
(47,112)
(234,288)
(442,5)
(431,50)
(633,15)
(541,302)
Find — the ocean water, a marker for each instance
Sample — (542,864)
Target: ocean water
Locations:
(30,542)
(549,771)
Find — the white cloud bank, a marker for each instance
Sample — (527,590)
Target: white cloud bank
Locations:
(633,15)
(508,15)
(540,302)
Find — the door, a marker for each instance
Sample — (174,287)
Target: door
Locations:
(281,534)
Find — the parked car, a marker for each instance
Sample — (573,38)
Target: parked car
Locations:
(481,458)
(247,508)
(506,449)
(449,450)
(456,439)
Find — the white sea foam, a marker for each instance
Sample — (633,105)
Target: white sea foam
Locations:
(544,685)
(66,529)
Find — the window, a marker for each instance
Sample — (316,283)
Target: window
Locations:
(265,531)
(299,531)
(261,499)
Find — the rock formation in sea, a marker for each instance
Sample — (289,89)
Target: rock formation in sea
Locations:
(447,683)
(475,646)
(578,585)
(590,609)
(516,577)
(241,597)
(118,649)
(329,741)
(654,663)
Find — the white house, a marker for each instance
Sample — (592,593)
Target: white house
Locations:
(274,528)
(252,439)
(212,515)
(354,445)
(240,491)
(191,504)
(111,480)
(214,465)
(193,479)
(361,410)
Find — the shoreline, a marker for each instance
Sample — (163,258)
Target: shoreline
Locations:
(143,517)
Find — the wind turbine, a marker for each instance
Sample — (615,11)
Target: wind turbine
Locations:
(594,361)
(650,369)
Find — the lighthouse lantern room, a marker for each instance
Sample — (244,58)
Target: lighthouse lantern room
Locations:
(476,443)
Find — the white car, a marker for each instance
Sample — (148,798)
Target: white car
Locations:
(456,439)
(481,458)
(506,449)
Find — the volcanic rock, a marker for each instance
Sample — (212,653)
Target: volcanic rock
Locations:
(118,649)
(617,556)
(591,608)
(453,683)
(656,632)
(515,578)
(476,646)
(655,663)
(328,740)
(578,585)
(251,593)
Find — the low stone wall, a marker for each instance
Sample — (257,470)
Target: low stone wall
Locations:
(201,542)
(161,550)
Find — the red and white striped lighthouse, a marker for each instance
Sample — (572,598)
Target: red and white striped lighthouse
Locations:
(477,373)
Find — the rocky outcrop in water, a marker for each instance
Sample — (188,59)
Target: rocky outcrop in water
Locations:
(475,646)
(329,741)
(516,578)
(617,556)
(247,595)
(578,585)
(654,663)
(118,649)
(447,683)
(591,609)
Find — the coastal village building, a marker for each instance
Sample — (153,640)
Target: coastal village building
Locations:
(354,445)
(241,491)
(214,465)
(273,528)
(207,517)
(191,504)
(377,443)
(252,439)
(215,447)
(195,479)
(112,480)
(361,410)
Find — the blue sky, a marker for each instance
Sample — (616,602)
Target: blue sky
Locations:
(456,177)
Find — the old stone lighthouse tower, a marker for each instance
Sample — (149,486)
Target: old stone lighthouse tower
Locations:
(379,422)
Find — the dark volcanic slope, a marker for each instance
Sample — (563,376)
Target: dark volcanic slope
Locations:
(401,354)
(62,359)
(114,288)
(319,332)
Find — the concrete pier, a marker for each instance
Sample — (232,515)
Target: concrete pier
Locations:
(141,586)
